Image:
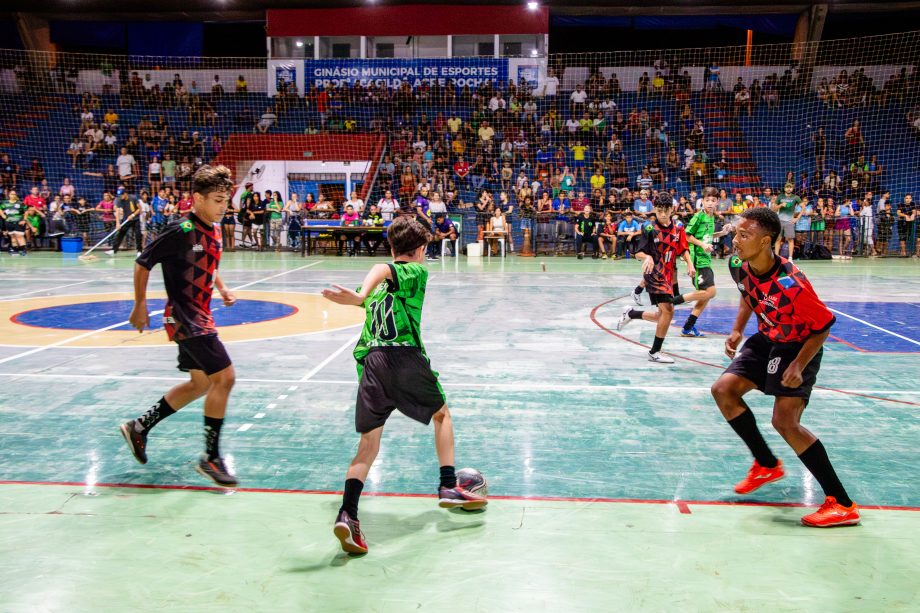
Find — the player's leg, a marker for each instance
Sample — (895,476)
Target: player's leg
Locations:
(347,528)
(748,372)
(136,430)
(838,509)
(706,291)
(665,315)
(450,494)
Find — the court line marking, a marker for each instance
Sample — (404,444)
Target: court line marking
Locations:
(48,289)
(593,317)
(879,328)
(349,343)
(522,387)
(679,503)
(90,333)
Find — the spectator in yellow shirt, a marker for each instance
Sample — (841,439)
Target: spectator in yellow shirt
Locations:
(578,156)
(598,181)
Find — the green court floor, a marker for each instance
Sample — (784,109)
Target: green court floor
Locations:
(611,478)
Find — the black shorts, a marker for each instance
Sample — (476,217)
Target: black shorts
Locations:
(704,278)
(205,353)
(396,378)
(661,298)
(763,363)
(13,226)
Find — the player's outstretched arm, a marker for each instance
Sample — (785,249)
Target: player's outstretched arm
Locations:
(737,333)
(139,318)
(342,295)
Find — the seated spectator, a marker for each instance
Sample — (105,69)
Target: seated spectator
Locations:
(444,229)
(627,235)
(585,233)
(9,172)
(642,206)
(497,228)
(267,120)
(241,85)
(36,172)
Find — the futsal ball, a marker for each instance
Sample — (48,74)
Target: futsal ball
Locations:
(472,481)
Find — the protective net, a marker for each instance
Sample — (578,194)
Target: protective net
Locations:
(536,138)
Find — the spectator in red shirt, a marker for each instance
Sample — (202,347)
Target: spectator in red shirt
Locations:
(462,169)
(35,201)
(322,103)
(580,201)
(185,205)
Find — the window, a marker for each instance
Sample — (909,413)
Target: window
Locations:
(384,50)
(341,50)
(486,48)
(512,49)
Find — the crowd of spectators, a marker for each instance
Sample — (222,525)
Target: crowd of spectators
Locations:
(508,157)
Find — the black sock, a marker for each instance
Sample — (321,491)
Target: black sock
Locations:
(635,314)
(656,346)
(350,497)
(448,477)
(677,299)
(691,321)
(745,426)
(212,427)
(638,289)
(818,464)
(154,415)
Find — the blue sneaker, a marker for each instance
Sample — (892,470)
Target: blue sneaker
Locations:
(692,332)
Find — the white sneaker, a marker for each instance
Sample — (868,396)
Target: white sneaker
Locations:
(624,318)
(637,298)
(660,358)
(110,252)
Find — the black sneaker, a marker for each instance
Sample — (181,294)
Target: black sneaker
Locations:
(216,471)
(348,531)
(137,441)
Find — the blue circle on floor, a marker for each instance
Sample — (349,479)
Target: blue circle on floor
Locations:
(96,315)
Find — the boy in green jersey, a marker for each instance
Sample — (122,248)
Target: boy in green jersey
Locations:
(394,373)
(12,214)
(701,231)
(785,207)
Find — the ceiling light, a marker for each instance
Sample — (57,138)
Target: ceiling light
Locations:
(534,53)
(533,5)
(299,43)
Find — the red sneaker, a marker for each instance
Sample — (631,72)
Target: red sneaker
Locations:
(758,476)
(832,513)
(349,533)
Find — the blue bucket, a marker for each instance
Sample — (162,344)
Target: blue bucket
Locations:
(72,244)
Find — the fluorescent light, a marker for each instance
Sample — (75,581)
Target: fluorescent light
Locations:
(534,53)
(533,5)
(299,43)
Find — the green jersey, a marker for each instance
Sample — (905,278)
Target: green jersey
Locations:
(274,210)
(787,206)
(14,211)
(702,227)
(394,311)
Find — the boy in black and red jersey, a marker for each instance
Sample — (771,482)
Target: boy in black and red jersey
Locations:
(659,248)
(781,360)
(189,253)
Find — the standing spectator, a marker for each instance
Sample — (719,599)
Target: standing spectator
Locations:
(885,223)
(127,168)
(106,207)
(267,120)
(907,220)
(274,210)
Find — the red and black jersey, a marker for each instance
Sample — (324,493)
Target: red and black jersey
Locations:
(786,305)
(188,252)
(664,244)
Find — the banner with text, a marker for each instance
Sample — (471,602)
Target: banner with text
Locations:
(393,72)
